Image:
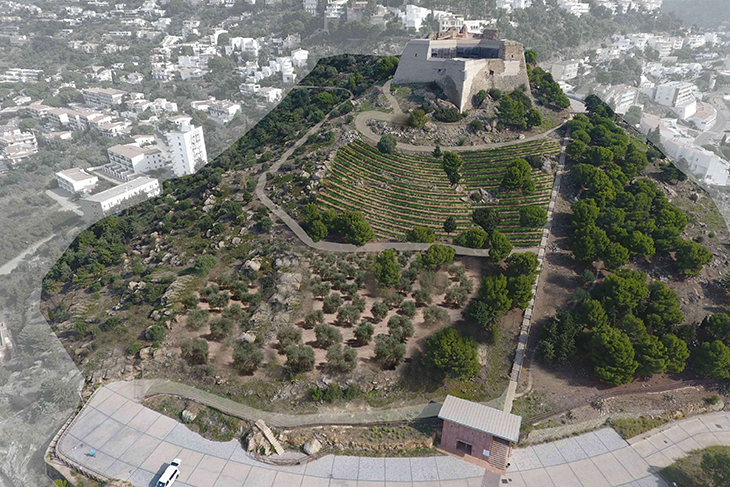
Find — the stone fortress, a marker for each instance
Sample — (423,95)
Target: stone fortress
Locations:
(463,64)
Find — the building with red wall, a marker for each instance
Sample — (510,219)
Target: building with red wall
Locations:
(478,433)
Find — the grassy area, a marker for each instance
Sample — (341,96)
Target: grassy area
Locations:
(688,472)
(630,427)
(402,191)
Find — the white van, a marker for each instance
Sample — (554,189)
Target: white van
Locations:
(172,472)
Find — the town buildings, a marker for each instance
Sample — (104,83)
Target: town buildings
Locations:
(103,97)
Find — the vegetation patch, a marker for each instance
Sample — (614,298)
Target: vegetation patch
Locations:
(630,427)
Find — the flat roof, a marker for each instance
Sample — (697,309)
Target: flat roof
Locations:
(482,418)
(120,189)
(76,174)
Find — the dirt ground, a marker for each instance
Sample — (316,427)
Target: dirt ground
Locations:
(572,385)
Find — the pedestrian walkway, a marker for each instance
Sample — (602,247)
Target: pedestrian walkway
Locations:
(603,459)
(135,443)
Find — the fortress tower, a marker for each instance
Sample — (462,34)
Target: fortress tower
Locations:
(462,66)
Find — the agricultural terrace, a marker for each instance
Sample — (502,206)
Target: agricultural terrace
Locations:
(396,192)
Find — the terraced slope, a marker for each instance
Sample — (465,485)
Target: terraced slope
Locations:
(397,191)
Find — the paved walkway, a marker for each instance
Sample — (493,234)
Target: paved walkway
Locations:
(135,443)
(603,459)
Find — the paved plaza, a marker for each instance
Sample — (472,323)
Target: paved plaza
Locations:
(135,443)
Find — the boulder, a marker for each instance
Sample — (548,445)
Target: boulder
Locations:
(253,265)
(248,337)
(144,354)
(188,416)
(312,447)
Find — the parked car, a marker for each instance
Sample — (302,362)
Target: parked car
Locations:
(172,472)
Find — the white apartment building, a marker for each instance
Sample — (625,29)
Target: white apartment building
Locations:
(187,148)
(128,160)
(223,110)
(13,75)
(575,7)
(704,164)
(104,97)
(76,180)
(335,9)
(310,6)
(38,111)
(705,116)
(24,140)
(270,94)
(564,70)
(619,97)
(106,202)
(678,96)
(299,58)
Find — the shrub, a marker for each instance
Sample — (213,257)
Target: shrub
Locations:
(364,333)
(450,353)
(417,118)
(220,328)
(422,297)
(387,144)
(456,296)
(449,115)
(289,335)
(313,318)
(299,358)
(195,351)
(408,308)
(400,328)
(533,216)
(341,360)
(379,310)
(332,303)
(327,335)
(247,358)
(134,348)
(421,235)
(389,351)
(435,316)
(155,333)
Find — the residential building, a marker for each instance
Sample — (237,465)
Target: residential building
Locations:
(76,180)
(13,75)
(704,118)
(619,97)
(18,145)
(38,111)
(187,148)
(335,9)
(103,97)
(678,96)
(223,110)
(299,58)
(575,7)
(270,94)
(115,129)
(310,6)
(102,204)
(127,160)
(564,70)
(702,163)
(479,434)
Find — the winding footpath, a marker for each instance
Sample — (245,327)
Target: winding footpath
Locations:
(135,443)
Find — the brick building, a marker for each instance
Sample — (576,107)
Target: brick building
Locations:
(479,434)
